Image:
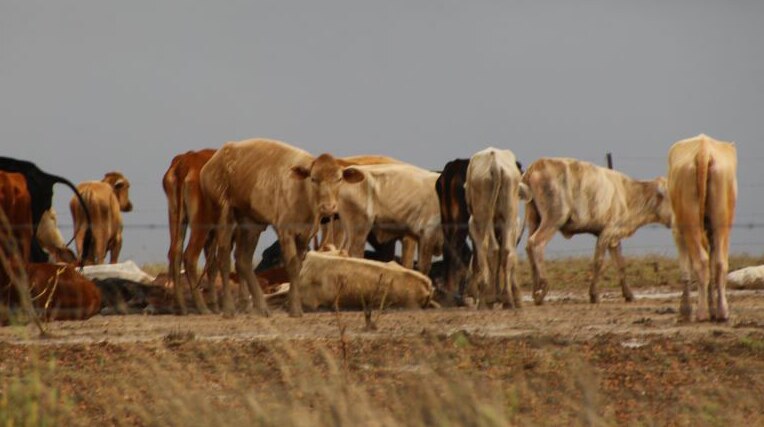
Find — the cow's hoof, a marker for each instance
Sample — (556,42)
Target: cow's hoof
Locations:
(295,313)
(594,298)
(629,297)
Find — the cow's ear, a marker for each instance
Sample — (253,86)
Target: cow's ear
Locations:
(352,175)
(300,172)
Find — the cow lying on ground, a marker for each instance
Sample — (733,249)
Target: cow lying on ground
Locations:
(576,197)
(104,201)
(493,191)
(40,187)
(328,279)
(58,292)
(702,185)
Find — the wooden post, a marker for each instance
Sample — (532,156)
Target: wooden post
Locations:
(609,157)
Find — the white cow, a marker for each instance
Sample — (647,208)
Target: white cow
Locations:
(493,192)
(392,201)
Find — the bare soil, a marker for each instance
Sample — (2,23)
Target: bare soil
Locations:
(566,362)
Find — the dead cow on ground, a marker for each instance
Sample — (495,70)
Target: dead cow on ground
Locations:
(328,278)
(577,197)
(703,189)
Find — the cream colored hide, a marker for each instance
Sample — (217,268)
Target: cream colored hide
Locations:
(703,189)
(394,201)
(51,240)
(493,190)
(327,278)
(261,182)
(576,197)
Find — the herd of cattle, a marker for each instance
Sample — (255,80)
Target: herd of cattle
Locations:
(227,198)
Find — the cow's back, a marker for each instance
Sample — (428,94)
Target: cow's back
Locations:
(256,176)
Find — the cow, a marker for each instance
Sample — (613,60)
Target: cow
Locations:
(187,207)
(331,280)
(576,197)
(702,186)
(394,201)
(493,191)
(104,202)
(260,182)
(454,217)
(40,187)
(16,204)
(52,241)
(58,292)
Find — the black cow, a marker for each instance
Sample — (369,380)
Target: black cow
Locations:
(454,217)
(40,185)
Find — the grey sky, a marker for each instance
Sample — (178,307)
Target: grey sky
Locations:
(92,86)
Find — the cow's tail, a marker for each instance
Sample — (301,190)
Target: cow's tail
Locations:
(496,179)
(87,244)
(702,160)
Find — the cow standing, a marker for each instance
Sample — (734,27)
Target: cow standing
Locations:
(454,217)
(260,182)
(40,187)
(493,191)
(576,197)
(104,202)
(393,201)
(187,207)
(702,186)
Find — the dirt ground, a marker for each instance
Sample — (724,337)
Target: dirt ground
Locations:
(566,362)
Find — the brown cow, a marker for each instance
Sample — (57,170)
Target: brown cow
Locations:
(702,186)
(493,191)
(16,203)
(59,292)
(260,182)
(105,200)
(577,197)
(187,207)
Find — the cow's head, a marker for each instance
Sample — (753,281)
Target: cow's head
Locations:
(662,202)
(325,175)
(121,187)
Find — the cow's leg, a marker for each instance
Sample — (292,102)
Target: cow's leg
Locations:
(535,249)
(408,248)
(293,263)
(116,248)
(481,274)
(720,260)
(599,257)
(512,296)
(425,253)
(223,235)
(211,270)
(700,263)
(177,236)
(685,278)
(196,243)
(247,236)
(617,256)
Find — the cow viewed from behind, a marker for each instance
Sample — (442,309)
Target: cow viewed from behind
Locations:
(187,207)
(104,201)
(576,197)
(702,186)
(493,192)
